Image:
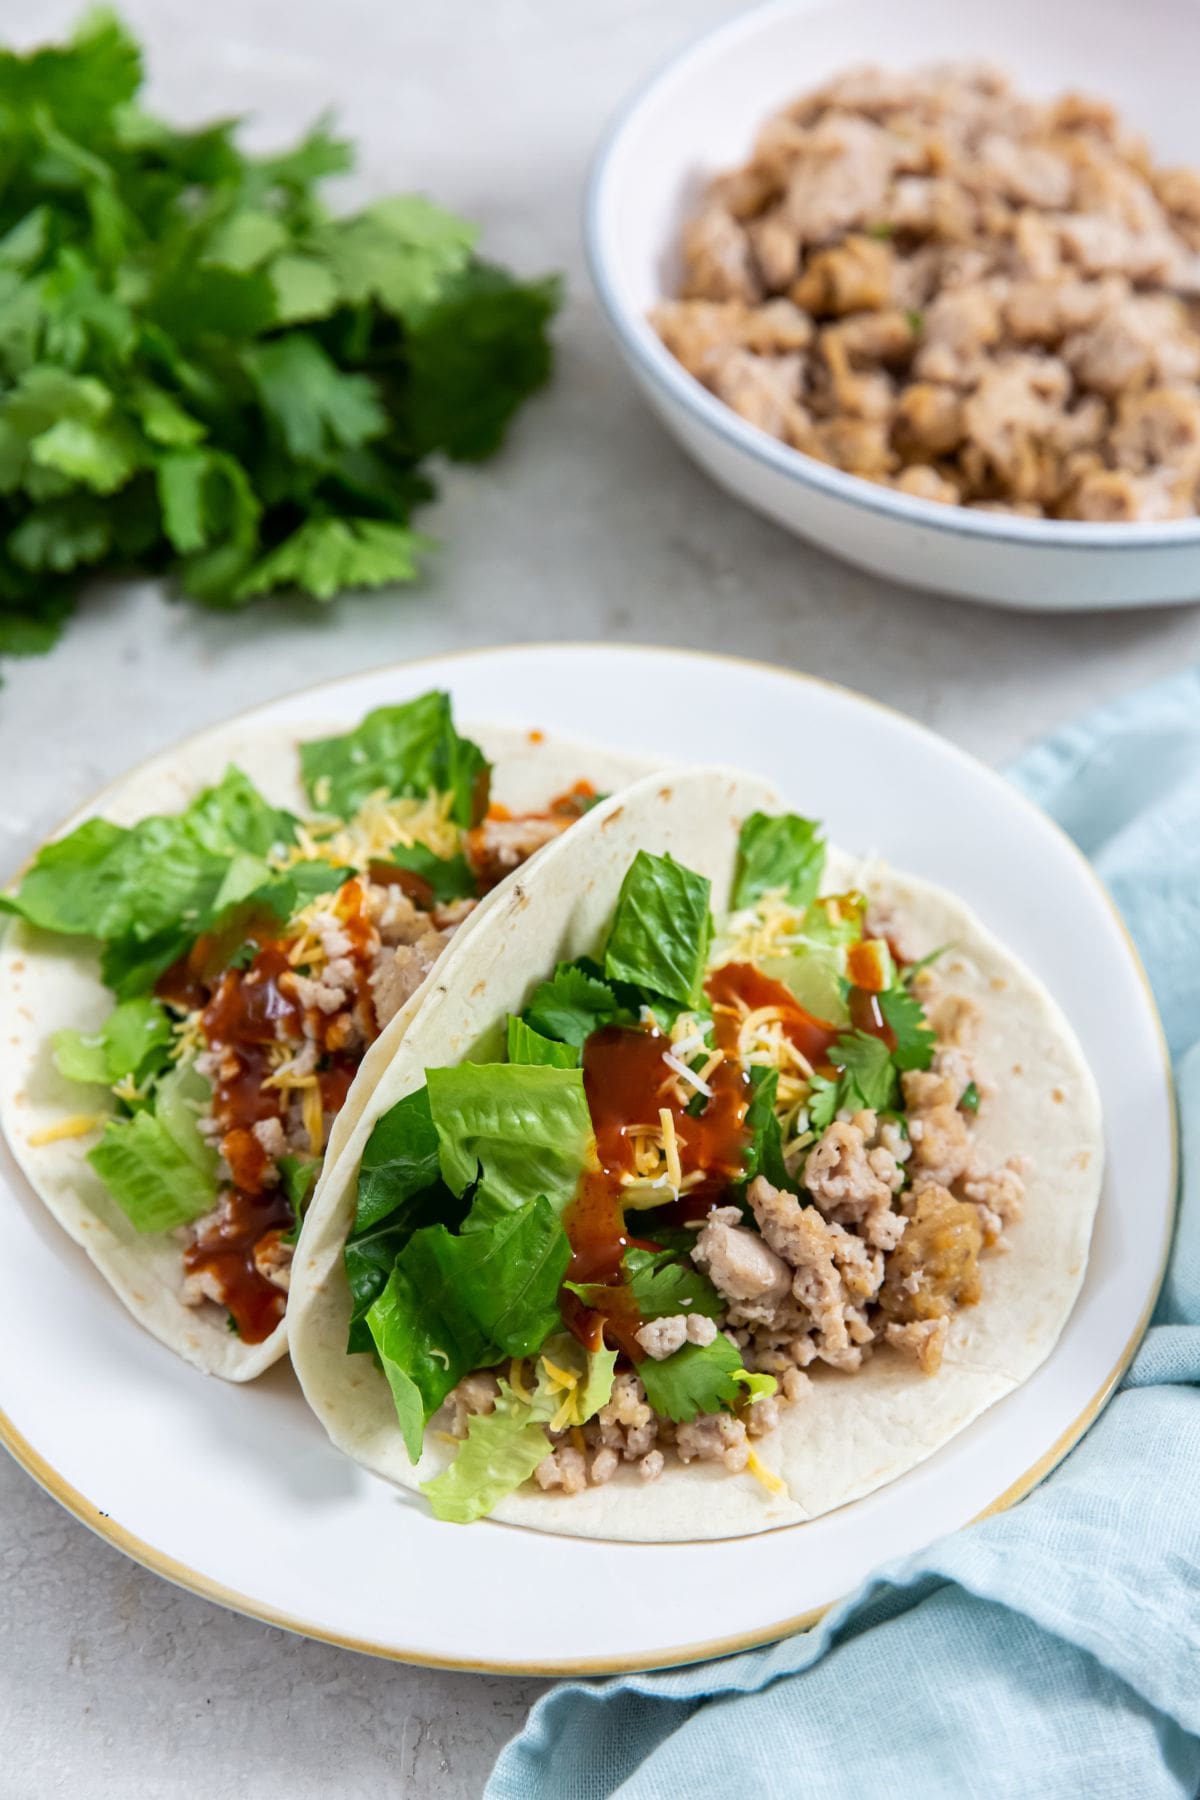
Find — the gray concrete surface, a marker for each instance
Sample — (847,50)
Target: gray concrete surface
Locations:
(112,1684)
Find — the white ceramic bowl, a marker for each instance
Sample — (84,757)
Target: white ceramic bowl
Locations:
(701,114)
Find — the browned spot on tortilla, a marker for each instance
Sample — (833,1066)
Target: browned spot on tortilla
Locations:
(1082,1159)
(664,793)
(998,984)
(1058,1096)
(25,1013)
(16,963)
(478,988)
(1017,1069)
(611,819)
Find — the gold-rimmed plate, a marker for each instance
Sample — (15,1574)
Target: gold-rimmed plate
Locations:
(235,1492)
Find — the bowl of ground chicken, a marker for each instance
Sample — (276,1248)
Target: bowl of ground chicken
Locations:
(937,311)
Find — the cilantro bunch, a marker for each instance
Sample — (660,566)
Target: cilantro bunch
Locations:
(203,372)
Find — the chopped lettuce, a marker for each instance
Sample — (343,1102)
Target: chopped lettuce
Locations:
(399,1162)
(503,1448)
(181,1100)
(297,1175)
(570,1006)
(700,1378)
(149,889)
(500,1452)
(778,853)
(457,1303)
(155,1183)
(411,749)
(764,1155)
(449,877)
(133,1043)
(519,1129)
(661,930)
(525,1045)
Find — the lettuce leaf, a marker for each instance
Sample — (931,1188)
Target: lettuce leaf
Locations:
(155,1183)
(158,883)
(520,1129)
(182,1097)
(411,749)
(764,1154)
(453,1304)
(661,930)
(501,1450)
(571,1005)
(133,1042)
(525,1045)
(778,852)
(449,877)
(399,1162)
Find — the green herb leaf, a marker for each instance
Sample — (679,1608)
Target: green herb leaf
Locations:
(968,1100)
(448,877)
(520,1129)
(700,1378)
(411,749)
(905,1016)
(501,1450)
(661,930)
(133,1042)
(782,853)
(525,1045)
(152,1180)
(571,1005)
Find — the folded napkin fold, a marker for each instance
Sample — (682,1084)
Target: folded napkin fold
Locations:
(1052,1650)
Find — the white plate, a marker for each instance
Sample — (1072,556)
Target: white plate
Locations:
(701,114)
(235,1492)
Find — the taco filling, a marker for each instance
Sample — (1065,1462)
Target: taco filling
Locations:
(254,956)
(697,1166)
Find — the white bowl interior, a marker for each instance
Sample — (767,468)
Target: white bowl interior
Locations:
(703,113)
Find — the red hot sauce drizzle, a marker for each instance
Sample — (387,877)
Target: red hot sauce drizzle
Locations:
(627,1084)
(244,1013)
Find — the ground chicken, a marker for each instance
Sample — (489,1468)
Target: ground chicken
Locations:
(853,1176)
(742,1268)
(399,972)
(714,1437)
(662,1337)
(924,1339)
(1005,279)
(935,1267)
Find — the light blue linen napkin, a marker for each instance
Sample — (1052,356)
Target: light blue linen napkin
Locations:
(1053,1650)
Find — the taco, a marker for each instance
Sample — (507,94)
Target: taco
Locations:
(730,1178)
(204,978)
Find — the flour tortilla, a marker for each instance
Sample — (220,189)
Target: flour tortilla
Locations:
(852,1432)
(48,982)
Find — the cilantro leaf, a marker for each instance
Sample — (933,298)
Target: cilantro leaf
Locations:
(448,877)
(202,371)
(571,1005)
(968,1100)
(661,1284)
(868,1072)
(700,1378)
(905,1017)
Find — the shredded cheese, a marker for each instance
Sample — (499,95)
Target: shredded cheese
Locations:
(666,1119)
(685,1074)
(559,1378)
(769,1479)
(565,1415)
(516,1380)
(314,1120)
(76,1126)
